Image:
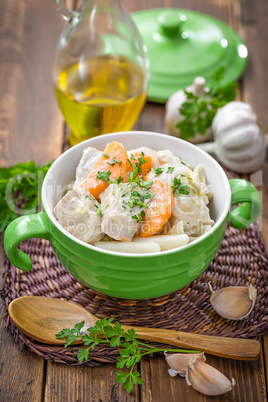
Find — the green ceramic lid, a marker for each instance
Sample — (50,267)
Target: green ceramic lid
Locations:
(185,44)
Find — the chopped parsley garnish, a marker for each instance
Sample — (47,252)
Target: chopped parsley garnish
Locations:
(178,188)
(146,184)
(170,169)
(105,155)
(194,191)
(136,166)
(98,209)
(158,170)
(189,178)
(87,196)
(135,193)
(141,159)
(114,161)
(104,176)
(182,175)
(118,181)
(139,217)
(148,194)
(183,163)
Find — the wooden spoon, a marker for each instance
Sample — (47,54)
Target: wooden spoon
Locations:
(40,318)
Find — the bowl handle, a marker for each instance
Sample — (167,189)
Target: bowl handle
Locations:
(245,193)
(22,228)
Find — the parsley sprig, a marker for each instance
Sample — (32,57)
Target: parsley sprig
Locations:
(131,350)
(20,190)
(199,111)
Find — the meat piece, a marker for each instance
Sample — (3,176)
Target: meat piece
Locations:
(77,212)
(118,211)
(193,212)
(87,162)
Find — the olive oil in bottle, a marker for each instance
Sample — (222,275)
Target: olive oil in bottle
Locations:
(101,95)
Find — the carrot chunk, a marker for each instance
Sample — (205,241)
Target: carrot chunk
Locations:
(159,210)
(113,164)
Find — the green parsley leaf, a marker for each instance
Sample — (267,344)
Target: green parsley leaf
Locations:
(139,217)
(114,161)
(170,169)
(106,156)
(178,188)
(136,378)
(147,184)
(120,180)
(141,159)
(158,170)
(148,194)
(121,377)
(83,354)
(104,176)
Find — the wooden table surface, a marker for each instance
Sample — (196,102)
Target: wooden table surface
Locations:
(32,128)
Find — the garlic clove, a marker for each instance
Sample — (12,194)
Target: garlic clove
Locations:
(233,302)
(178,362)
(206,379)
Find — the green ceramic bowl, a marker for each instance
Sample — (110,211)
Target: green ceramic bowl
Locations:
(134,276)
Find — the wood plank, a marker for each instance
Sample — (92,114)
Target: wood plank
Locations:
(18,381)
(30,121)
(160,386)
(252,26)
(80,383)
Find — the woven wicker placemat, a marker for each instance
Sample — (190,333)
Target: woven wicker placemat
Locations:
(241,260)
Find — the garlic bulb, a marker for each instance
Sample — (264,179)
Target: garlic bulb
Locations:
(206,379)
(174,103)
(233,302)
(238,139)
(178,362)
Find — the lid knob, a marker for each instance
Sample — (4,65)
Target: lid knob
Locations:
(170,22)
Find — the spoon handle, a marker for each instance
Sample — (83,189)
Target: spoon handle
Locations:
(232,348)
